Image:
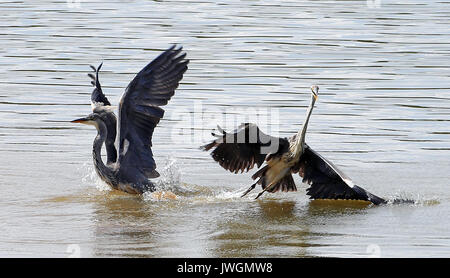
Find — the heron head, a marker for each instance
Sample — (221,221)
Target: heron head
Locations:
(91,119)
(315,91)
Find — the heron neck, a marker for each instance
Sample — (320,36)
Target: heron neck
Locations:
(111,151)
(300,137)
(102,170)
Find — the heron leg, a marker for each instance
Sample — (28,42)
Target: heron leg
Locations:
(259,194)
(249,189)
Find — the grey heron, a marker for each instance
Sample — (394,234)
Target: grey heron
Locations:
(131,167)
(242,149)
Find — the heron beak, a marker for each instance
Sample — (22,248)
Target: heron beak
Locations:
(315,91)
(80,120)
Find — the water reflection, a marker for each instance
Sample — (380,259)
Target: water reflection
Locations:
(124,219)
(277,210)
(280,228)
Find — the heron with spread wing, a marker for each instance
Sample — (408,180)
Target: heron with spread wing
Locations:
(131,167)
(248,146)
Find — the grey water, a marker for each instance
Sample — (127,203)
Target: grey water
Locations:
(383,117)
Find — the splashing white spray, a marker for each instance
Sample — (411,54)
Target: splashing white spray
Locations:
(169,176)
(410,199)
(89,177)
(168,182)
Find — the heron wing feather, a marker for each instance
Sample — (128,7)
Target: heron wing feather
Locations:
(241,149)
(327,181)
(139,110)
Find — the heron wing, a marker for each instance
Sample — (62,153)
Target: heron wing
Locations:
(140,111)
(244,147)
(97,96)
(327,181)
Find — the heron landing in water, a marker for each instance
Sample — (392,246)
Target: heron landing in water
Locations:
(139,110)
(247,146)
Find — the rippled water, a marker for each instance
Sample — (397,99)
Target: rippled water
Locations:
(382,116)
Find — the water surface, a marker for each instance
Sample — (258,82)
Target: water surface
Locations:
(382,116)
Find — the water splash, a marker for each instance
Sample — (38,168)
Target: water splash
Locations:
(168,182)
(230,195)
(401,198)
(170,175)
(89,177)
(168,185)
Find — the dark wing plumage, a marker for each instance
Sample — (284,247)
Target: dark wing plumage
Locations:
(139,111)
(327,181)
(243,148)
(97,96)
